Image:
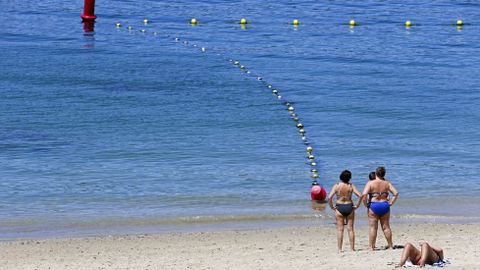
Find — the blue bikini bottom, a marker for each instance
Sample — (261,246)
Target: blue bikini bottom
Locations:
(380,208)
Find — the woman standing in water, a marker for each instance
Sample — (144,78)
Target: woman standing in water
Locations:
(376,195)
(344,208)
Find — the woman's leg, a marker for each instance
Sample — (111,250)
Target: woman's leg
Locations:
(410,252)
(339,218)
(428,254)
(373,222)
(385,222)
(350,228)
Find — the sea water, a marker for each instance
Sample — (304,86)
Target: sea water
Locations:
(120,131)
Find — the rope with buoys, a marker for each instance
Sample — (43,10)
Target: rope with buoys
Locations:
(317,192)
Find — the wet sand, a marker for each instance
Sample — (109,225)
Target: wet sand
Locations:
(285,248)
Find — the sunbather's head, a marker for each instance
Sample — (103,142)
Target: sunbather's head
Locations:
(371,176)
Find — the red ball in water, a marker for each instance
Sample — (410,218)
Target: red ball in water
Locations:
(318,193)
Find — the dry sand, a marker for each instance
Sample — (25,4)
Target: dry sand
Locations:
(285,248)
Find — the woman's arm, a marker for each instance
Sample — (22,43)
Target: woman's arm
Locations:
(359,195)
(394,192)
(330,197)
(366,190)
(365,201)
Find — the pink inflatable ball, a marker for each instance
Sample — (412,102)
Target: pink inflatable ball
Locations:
(318,193)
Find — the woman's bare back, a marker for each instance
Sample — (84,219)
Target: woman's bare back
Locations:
(378,190)
(344,193)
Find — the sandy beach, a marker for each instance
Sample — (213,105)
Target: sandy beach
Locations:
(284,248)
(195,145)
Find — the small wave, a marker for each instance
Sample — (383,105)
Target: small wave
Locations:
(434,217)
(248,218)
(105,222)
(31,228)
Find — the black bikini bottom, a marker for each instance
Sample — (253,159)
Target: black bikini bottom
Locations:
(345,209)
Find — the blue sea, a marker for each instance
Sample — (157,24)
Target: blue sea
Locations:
(130,131)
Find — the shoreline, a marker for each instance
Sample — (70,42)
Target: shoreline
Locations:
(280,248)
(456,210)
(132,226)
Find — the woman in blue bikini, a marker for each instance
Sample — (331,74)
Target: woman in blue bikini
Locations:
(376,195)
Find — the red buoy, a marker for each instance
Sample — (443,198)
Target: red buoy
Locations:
(89,11)
(318,193)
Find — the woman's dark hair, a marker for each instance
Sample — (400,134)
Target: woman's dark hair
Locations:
(371,176)
(380,172)
(345,176)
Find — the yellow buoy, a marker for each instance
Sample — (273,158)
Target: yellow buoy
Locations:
(296,22)
(143,30)
(408,24)
(118,25)
(243,21)
(193,21)
(459,22)
(352,23)
(146,21)
(129,28)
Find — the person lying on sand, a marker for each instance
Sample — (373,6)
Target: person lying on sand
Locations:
(426,255)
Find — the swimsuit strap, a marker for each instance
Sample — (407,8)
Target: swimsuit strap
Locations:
(383,192)
(378,193)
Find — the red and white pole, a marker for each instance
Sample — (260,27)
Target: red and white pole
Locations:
(89,11)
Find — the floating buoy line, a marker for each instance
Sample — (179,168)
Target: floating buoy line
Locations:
(243,22)
(318,193)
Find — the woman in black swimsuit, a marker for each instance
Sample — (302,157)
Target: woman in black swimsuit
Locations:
(344,208)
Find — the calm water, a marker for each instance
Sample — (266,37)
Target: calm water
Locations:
(123,129)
